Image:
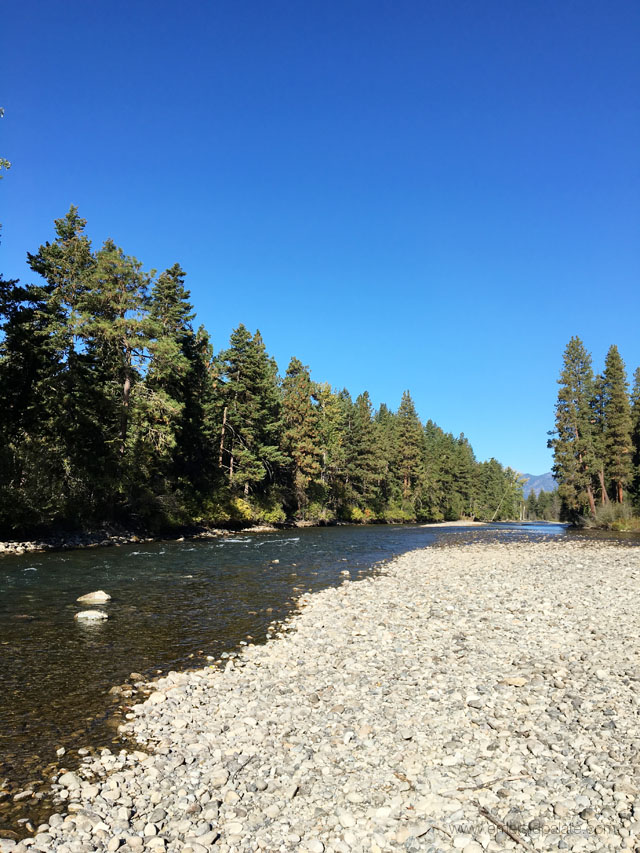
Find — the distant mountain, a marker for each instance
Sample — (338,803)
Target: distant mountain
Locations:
(538,482)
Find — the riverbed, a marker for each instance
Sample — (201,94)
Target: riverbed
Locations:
(174,605)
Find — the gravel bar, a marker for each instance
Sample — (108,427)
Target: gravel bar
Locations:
(467,698)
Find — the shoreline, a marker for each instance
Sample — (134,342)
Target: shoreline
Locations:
(112,535)
(391,709)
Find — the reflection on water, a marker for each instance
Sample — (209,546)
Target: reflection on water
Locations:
(173,603)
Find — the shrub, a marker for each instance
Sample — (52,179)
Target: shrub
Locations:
(612,516)
(317,512)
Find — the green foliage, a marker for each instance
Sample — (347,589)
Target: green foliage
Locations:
(320,512)
(618,450)
(114,409)
(612,516)
(575,462)
(250,425)
(635,438)
(399,513)
(300,438)
(596,442)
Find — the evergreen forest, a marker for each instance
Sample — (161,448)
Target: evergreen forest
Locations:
(596,440)
(115,407)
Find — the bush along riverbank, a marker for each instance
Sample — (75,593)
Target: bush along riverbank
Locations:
(476,698)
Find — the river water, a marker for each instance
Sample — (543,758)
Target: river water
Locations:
(173,604)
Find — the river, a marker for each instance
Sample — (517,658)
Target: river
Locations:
(173,605)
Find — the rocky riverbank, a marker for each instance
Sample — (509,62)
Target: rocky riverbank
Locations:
(110,536)
(474,698)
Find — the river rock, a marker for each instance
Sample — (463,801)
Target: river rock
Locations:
(91,615)
(70,780)
(396,708)
(98,597)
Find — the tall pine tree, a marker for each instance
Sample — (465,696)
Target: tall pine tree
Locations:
(251,419)
(618,449)
(410,449)
(635,435)
(574,456)
(301,435)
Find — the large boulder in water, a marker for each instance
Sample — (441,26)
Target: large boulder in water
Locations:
(98,597)
(91,615)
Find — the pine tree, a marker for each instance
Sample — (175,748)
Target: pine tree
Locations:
(544,505)
(170,314)
(433,492)
(386,440)
(196,454)
(598,433)
(251,422)
(334,418)
(410,448)
(363,463)
(301,436)
(67,266)
(458,472)
(74,411)
(574,455)
(618,447)
(114,324)
(179,375)
(163,389)
(33,458)
(635,435)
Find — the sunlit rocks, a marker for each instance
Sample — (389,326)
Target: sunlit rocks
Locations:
(91,616)
(98,597)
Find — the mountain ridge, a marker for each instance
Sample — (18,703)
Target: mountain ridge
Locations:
(538,483)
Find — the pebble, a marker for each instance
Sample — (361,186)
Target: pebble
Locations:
(390,711)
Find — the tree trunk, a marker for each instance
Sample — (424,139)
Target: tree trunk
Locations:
(224,424)
(604,497)
(592,503)
(124,415)
(620,492)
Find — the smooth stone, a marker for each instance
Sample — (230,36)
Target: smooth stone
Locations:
(98,597)
(91,615)
(70,780)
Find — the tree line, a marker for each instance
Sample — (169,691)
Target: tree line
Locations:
(115,407)
(545,506)
(596,441)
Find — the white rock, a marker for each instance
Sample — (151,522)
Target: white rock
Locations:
(98,597)
(91,615)
(70,780)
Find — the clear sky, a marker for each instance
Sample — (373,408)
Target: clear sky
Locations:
(433,195)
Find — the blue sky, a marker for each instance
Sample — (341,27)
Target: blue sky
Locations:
(423,195)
